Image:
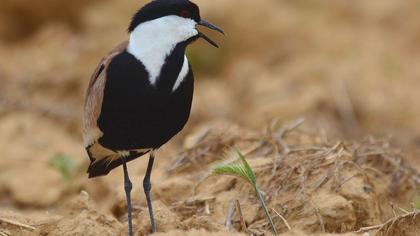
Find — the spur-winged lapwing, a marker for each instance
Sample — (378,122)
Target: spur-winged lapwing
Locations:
(140,95)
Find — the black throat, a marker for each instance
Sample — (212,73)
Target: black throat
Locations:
(171,68)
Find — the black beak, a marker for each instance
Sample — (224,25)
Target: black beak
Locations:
(210,26)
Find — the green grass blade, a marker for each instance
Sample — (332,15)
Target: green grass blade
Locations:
(236,170)
(244,171)
(266,212)
(65,165)
(249,173)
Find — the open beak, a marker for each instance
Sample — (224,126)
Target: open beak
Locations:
(210,26)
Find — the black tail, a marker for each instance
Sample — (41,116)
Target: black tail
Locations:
(103,167)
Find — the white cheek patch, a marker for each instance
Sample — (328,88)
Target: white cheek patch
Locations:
(182,74)
(151,42)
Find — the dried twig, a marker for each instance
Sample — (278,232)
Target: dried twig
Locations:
(207,208)
(369,228)
(346,180)
(15,223)
(283,219)
(241,216)
(5,233)
(235,205)
(393,209)
(284,130)
(229,216)
(345,108)
(319,216)
(388,222)
(322,181)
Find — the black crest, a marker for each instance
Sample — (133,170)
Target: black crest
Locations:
(159,8)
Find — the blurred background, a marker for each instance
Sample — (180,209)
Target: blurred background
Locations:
(350,68)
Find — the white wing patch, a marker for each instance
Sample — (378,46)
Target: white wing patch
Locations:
(182,74)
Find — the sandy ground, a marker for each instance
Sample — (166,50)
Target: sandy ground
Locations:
(349,68)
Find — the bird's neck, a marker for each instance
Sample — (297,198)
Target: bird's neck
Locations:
(174,71)
(152,48)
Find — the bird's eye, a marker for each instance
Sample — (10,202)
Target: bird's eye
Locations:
(185,13)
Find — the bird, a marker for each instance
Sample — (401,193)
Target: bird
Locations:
(141,92)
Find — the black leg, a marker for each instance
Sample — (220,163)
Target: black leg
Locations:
(128,186)
(147,186)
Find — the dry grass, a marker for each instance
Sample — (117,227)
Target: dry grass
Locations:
(349,68)
(318,186)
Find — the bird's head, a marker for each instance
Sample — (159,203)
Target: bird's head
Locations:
(170,22)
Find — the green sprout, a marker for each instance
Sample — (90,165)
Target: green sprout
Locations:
(243,170)
(417,204)
(65,165)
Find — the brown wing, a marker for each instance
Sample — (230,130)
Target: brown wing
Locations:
(103,160)
(94,98)
(101,157)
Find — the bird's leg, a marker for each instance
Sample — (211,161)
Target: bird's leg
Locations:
(147,186)
(128,186)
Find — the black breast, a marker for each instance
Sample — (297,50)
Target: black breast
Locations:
(136,114)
